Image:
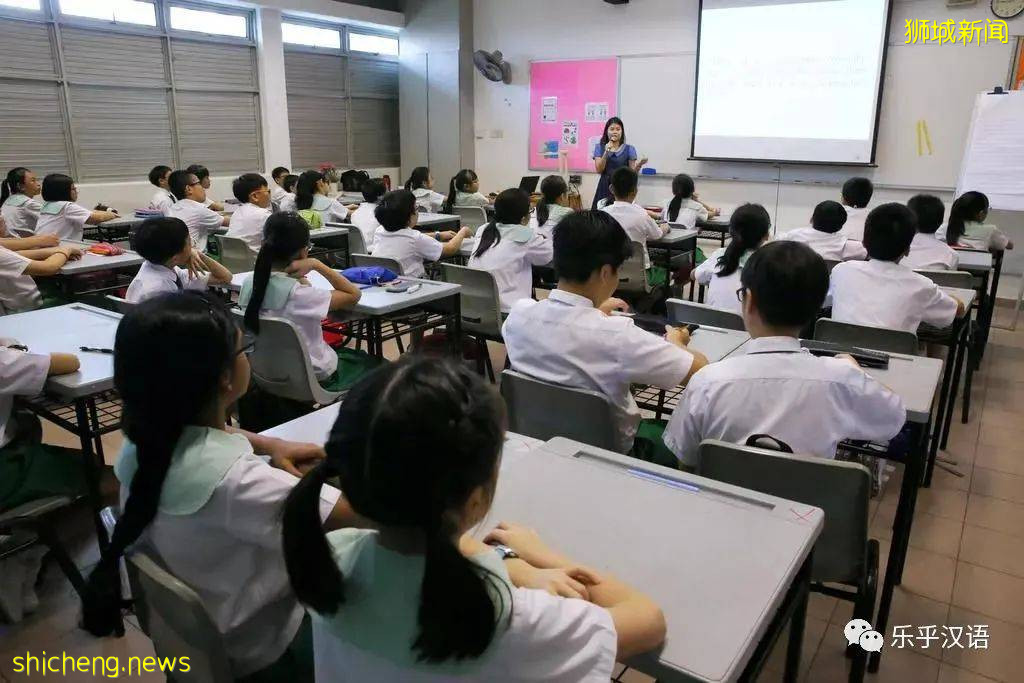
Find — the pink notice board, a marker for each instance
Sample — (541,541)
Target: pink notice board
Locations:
(569,104)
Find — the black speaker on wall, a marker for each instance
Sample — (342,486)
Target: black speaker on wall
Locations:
(617,2)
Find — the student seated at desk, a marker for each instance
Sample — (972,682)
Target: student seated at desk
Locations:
(162,199)
(856,195)
(927,251)
(967,227)
(464,190)
(17,205)
(203,174)
(553,205)
(572,340)
(18,291)
(287,202)
(278,287)
(720,273)
(685,208)
(364,216)
(881,291)
(398,238)
(277,191)
(826,237)
(313,204)
(508,248)
(417,448)
(60,215)
(421,184)
(634,219)
(251,190)
(194,495)
(191,208)
(774,387)
(172,263)
(13,242)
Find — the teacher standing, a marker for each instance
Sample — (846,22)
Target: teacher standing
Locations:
(611,154)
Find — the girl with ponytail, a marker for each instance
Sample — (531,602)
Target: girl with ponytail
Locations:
(685,208)
(194,496)
(553,205)
(464,190)
(967,227)
(421,184)
(17,206)
(748,229)
(417,447)
(313,204)
(279,287)
(509,248)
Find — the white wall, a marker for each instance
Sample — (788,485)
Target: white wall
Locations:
(528,30)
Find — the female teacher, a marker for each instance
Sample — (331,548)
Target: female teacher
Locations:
(611,154)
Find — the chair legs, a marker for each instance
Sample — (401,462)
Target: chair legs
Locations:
(864,608)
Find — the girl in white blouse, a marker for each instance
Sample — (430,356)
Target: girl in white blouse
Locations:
(748,228)
(60,215)
(417,447)
(967,226)
(17,206)
(421,184)
(311,195)
(464,190)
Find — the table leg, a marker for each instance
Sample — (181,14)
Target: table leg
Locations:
(963,347)
(944,398)
(456,325)
(85,411)
(796,625)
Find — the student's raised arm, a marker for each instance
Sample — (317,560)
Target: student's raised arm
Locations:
(219,275)
(345,294)
(97,217)
(452,246)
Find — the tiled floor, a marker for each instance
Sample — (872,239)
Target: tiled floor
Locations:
(965,565)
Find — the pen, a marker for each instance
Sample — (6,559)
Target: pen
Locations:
(89,349)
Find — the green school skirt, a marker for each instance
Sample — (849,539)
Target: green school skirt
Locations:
(30,470)
(295,665)
(649,445)
(352,365)
(656,275)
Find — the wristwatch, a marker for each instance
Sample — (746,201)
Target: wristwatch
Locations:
(437,235)
(505,553)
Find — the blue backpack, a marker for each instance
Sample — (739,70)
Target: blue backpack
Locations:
(369,275)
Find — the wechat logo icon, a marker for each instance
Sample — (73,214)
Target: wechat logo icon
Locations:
(860,632)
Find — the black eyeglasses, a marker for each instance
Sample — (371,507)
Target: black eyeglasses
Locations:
(739,294)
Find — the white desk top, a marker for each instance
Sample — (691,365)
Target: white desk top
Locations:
(974,261)
(129,221)
(428,219)
(675,235)
(314,235)
(966,295)
(65,328)
(376,301)
(717,343)
(92,263)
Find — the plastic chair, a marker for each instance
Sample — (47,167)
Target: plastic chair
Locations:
(471,217)
(950,278)
(843,553)
(543,411)
(235,254)
(281,366)
(866,336)
(366,260)
(481,308)
(177,623)
(356,243)
(680,311)
(120,305)
(632,274)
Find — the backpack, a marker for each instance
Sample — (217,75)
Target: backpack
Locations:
(352,181)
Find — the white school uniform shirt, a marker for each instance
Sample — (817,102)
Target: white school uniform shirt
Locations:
(690,211)
(330,210)
(539,637)
(247,224)
(153,279)
(721,288)
(64,219)
(162,200)
(635,220)
(556,212)
(566,341)
(927,252)
(887,294)
(409,247)
(18,291)
(199,219)
(511,261)
(277,193)
(470,199)
(777,388)
(854,226)
(287,203)
(364,219)
(21,211)
(834,246)
(21,374)
(982,236)
(218,530)
(428,200)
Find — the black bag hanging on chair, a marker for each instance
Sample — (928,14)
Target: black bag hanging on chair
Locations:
(352,181)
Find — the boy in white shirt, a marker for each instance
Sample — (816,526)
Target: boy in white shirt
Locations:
(775,387)
(277,191)
(856,196)
(191,208)
(247,221)
(398,238)
(825,235)
(172,264)
(882,292)
(203,174)
(162,198)
(572,339)
(60,215)
(509,248)
(18,291)
(635,220)
(363,217)
(927,252)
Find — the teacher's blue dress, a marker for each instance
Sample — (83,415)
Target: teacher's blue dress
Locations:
(616,160)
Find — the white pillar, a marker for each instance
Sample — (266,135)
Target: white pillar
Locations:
(273,104)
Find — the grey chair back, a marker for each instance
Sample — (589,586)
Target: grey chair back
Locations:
(481,307)
(365,260)
(120,305)
(866,336)
(632,274)
(680,311)
(235,254)
(840,489)
(178,624)
(356,243)
(471,217)
(543,411)
(950,278)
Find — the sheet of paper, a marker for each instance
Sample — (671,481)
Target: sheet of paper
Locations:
(570,133)
(994,159)
(549,109)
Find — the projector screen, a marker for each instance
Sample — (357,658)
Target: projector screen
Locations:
(796,81)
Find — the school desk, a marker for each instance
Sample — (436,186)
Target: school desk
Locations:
(70,277)
(716,228)
(438,222)
(987,266)
(114,230)
(677,241)
(441,300)
(82,402)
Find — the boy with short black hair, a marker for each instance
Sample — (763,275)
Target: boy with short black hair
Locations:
(277,191)
(634,218)
(400,240)
(363,217)
(172,264)
(163,197)
(926,251)
(251,190)
(825,236)
(856,196)
(882,292)
(191,208)
(775,387)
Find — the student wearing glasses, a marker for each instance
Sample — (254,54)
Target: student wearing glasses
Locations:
(191,208)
